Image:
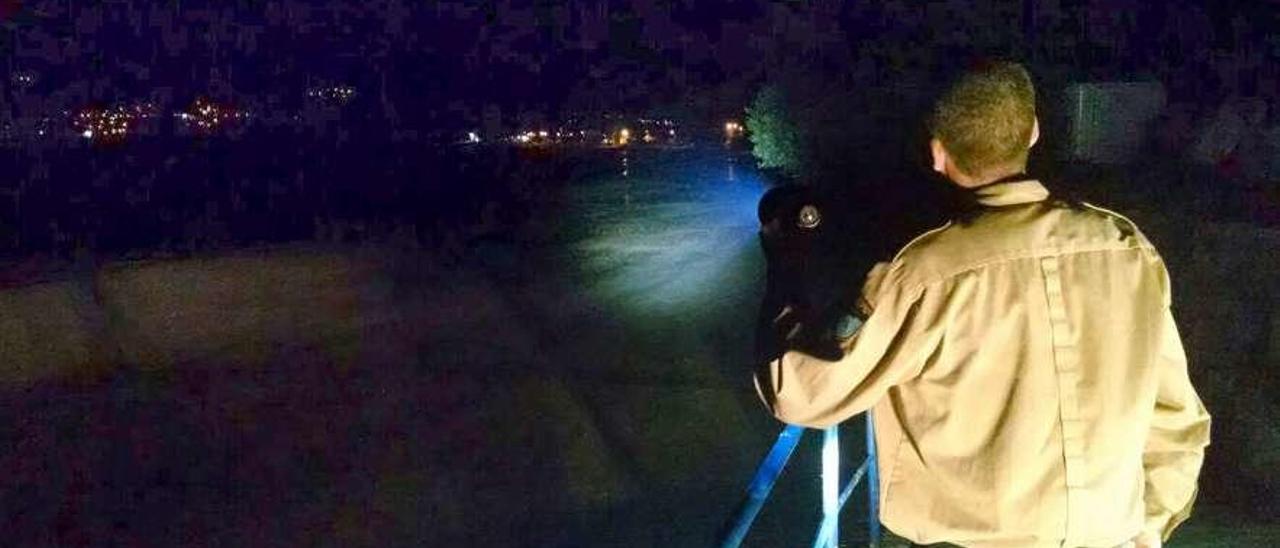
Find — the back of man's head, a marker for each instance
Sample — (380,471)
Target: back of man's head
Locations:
(986,118)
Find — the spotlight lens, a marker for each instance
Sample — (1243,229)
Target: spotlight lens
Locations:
(809,217)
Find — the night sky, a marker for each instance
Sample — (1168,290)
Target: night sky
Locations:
(433,63)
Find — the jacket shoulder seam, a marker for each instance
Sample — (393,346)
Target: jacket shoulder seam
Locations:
(897,256)
(1145,242)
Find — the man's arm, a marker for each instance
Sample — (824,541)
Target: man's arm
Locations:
(1175,445)
(892,347)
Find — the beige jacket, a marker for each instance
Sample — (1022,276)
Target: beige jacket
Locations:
(1028,382)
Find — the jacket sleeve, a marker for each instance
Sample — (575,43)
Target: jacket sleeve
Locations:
(1175,445)
(892,346)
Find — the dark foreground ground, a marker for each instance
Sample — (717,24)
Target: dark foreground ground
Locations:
(585,386)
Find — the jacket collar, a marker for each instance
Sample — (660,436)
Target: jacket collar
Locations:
(1011,193)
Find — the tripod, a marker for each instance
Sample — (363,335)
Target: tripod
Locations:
(833,499)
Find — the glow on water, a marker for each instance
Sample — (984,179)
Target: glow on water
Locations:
(670,235)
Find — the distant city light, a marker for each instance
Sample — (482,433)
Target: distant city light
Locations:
(336,94)
(23,79)
(205,116)
(110,124)
(732,130)
(473,137)
(576,132)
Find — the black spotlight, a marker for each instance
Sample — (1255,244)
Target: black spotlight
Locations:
(812,277)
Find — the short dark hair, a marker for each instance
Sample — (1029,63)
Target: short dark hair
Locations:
(985,118)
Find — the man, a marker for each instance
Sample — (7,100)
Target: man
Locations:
(1023,369)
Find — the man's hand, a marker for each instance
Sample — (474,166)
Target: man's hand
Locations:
(871,288)
(787,324)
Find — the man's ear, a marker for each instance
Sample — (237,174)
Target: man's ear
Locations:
(939,156)
(1035,133)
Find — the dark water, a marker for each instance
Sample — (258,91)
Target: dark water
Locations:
(183,196)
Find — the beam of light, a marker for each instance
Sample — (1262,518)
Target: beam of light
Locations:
(673,240)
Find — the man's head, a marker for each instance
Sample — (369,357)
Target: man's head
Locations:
(985,124)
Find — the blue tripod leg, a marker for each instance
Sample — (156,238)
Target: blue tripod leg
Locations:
(873,486)
(828,525)
(829,530)
(831,482)
(762,484)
